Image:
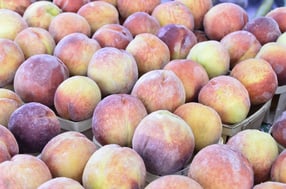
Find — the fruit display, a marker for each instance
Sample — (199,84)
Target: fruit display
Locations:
(104,94)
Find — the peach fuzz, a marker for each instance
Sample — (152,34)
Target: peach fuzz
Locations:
(11,24)
(76,97)
(141,22)
(23,171)
(175,182)
(278,168)
(206,131)
(174,12)
(99,13)
(275,54)
(160,90)
(128,7)
(61,183)
(66,154)
(66,23)
(121,165)
(149,51)
(113,35)
(278,14)
(228,96)
(270,185)
(241,45)
(224,18)
(259,148)
(18,6)
(225,168)
(12,53)
(81,47)
(258,77)
(178,38)
(38,41)
(115,118)
(114,70)
(41,13)
(70,5)
(192,75)
(156,140)
(8,144)
(34,87)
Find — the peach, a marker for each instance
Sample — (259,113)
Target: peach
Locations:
(278,168)
(149,51)
(66,154)
(258,77)
(160,90)
(275,54)
(128,7)
(76,97)
(175,182)
(206,131)
(198,9)
(224,18)
(113,166)
(281,40)
(8,144)
(192,75)
(81,47)
(278,129)
(113,2)
(66,23)
(200,35)
(116,117)
(156,140)
(241,45)
(220,166)
(18,6)
(270,185)
(113,35)
(33,125)
(278,14)
(11,24)
(259,148)
(114,70)
(174,12)
(12,53)
(23,171)
(178,38)
(265,29)
(228,96)
(41,13)
(217,61)
(34,87)
(10,94)
(70,5)
(141,22)
(99,13)
(61,183)
(39,41)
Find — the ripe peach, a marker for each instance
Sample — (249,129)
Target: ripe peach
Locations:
(278,129)
(265,29)
(174,12)
(67,153)
(228,96)
(206,131)
(41,13)
(160,90)
(70,5)
(270,185)
(99,13)
(178,38)
(76,97)
(156,140)
(8,144)
(278,14)
(13,54)
(18,6)
(38,77)
(258,77)
(149,51)
(113,35)
(241,45)
(141,22)
(39,41)
(66,23)
(61,183)
(82,49)
(114,70)
(224,18)
(278,168)
(220,166)
(192,75)
(113,166)
(259,148)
